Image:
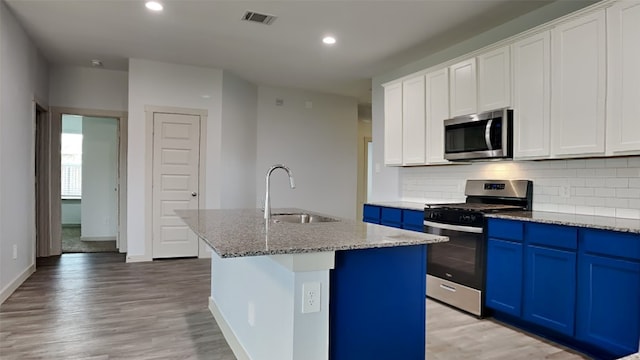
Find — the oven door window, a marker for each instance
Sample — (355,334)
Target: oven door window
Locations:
(459,260)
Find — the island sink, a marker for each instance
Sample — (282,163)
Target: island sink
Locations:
(301,218)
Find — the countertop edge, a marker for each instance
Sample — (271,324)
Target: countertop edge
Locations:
(583,221)
(228,255)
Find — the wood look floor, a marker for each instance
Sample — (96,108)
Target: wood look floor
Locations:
(95,306)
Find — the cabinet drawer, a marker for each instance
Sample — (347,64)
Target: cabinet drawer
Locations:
(565,237)
(505,229)
(612,243)
(371,213)
(391,217)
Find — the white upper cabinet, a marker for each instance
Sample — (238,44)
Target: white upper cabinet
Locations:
(413,122)
(578,86)
(393,124)
(531,96)
(437,107)
(463,88)
(494,79)
(623,98)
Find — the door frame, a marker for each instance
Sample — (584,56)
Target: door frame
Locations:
(122,120)
(150,110)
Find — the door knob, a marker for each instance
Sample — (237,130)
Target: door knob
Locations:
(194,194)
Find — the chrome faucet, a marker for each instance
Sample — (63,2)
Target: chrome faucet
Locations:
(267,198)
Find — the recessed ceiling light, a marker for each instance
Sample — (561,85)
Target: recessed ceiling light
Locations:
(96,63)
(329,40)
(154,5)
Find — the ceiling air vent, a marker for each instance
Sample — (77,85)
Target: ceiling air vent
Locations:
(259,18)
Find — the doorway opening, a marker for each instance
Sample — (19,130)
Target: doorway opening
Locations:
(89,183)
(365,149)
(55,185)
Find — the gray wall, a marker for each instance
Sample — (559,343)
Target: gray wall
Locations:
(24,76)
(238,144)
(316,136)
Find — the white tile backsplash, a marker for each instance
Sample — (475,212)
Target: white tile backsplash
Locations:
(605,187)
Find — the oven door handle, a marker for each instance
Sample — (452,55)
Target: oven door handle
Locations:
(470,229)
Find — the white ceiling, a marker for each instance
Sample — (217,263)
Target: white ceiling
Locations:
(373,36)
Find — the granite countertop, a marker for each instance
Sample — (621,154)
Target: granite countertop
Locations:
(589,221)
(411,205)
(242,232)
(635,356)
(399,204)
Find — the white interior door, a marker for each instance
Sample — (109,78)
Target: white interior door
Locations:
(176,158)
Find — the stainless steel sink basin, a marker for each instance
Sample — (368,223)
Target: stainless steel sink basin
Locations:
(301,218)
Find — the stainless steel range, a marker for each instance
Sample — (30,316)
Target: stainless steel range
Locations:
(455,269)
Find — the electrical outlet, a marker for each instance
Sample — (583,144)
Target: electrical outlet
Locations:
(310,297)
(15,251)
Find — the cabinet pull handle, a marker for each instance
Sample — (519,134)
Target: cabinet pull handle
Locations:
(448,288)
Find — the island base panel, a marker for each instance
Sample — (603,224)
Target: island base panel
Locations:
(377,305)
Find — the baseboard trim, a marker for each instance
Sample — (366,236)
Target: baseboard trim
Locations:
(138,258)
(97,238)
(229,335)
(12,286)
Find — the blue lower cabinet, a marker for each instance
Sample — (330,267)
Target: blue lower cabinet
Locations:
(413,220)
(608,311)
(371,214)
(504,276)
(377,304)
(550,288)
(391,217)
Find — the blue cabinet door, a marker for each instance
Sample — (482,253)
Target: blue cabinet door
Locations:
(550,288)
(608,313)
(391,217)
(371,214)
(504,276)
(413,220)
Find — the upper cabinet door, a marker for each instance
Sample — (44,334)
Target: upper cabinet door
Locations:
(437,97)
(494,79)
(463,88)
(623,109)
(578,86)
(531,96)
(413,122)
(393,124)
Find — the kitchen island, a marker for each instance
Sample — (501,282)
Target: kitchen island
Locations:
(327,290)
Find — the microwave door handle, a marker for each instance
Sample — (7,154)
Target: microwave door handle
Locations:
(461,228)
(487,135)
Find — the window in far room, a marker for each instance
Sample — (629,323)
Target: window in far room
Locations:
(71,157)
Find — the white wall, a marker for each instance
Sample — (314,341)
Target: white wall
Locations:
(99,178)
(238,143)
(71,212)
(606,187)
(318,143)
(162,84)
(386,184)
(23,77)
(279,331)
(88,88)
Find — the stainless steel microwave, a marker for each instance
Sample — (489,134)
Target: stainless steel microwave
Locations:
(483,136)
